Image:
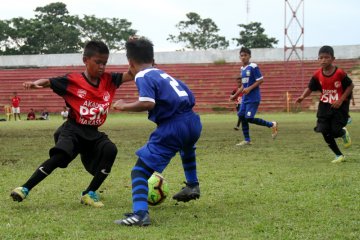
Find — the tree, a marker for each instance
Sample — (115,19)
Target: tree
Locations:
(113,31)
(198,33)
(253,36)
(53,30)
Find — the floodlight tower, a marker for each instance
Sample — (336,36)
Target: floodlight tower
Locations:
(247,11)
(294,30)
(294,48)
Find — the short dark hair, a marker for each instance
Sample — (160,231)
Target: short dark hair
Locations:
(141,50)
(327,49)
(93,47)
(245,50)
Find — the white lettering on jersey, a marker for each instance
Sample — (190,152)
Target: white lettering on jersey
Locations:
(92,111)
(174,84)
(329,96)
(245,80)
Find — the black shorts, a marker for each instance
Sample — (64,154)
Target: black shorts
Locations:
(74,139)
(330,120)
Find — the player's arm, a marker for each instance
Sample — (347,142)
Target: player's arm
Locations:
(306,93)
(137,106)
(40,83)
(128,76)
(344,96)
(250,88)
(237,93)
(353,99)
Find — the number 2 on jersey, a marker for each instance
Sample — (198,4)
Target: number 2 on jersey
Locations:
(174,84)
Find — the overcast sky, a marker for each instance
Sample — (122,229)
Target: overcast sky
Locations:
(330,22)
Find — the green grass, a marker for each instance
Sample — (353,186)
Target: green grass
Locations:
(282,189)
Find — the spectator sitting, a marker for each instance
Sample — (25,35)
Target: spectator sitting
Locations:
(64,113)
(44,115)
(31,115)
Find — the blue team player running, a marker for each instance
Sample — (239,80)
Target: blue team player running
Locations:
(169,103)
(251,80)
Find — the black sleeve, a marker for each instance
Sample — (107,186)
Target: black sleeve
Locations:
(314,85)
(59,85)
(346,82)
(117,79)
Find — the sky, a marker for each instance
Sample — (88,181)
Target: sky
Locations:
(325,22)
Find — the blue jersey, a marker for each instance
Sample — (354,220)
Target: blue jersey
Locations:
(172,97)
(249,75)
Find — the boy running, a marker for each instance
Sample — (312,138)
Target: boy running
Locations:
(169,103)
(333,111)
(88,95)
(251,78)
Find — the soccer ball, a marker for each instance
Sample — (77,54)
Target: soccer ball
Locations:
(158,189)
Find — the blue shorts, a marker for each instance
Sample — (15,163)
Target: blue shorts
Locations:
(248,110)
(177,135)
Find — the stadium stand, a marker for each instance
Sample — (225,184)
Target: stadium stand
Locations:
(211,84)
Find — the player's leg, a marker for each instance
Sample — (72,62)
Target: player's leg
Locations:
(139,182)
(250,117)
(323,126)
(189,132)
(238,118)
(98,162)
(192,189)
(244,126)
(61,155)
(18,112)
(59,159)
(338,123)
(330,140)
(13,111)
(153,156)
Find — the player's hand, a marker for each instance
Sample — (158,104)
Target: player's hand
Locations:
(299,99)
(337,104)
(246,90)
(232,97)
(31,85)
(118,105)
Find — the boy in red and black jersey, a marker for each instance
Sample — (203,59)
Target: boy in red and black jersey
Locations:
(88,96)
(333,111)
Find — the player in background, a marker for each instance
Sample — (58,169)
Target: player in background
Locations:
(15,106)
(251,78)
(237,98)
(169,103)
(333,110)
(88,95)
(352,103)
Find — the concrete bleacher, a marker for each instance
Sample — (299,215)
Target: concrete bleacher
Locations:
(211,84)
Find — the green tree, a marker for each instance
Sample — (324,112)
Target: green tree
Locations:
(53,30)
(198,33)
(253,36)
(113,31)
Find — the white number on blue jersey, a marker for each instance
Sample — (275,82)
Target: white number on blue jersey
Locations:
(174,84)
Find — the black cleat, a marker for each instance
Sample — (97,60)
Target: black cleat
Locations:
(187,193)
(132,219)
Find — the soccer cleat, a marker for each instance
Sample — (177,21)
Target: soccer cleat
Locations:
(187,193)
(274,130)
(339,159)
(236,128)
(346,138)
(19,193)
(91,199)
(244,143)
(132,219)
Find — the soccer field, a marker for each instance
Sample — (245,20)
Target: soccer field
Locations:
(282,189)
